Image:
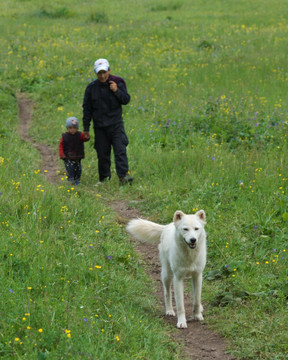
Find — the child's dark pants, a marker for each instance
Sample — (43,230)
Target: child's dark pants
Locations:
(73,169)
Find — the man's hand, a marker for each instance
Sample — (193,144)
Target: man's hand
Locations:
(113,86)
(86,135)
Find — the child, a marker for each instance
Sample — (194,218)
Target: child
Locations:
(71,150)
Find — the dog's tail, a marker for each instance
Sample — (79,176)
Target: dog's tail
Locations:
(144,230)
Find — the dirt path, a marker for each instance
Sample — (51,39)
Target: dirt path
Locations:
(49,158)
(200,343)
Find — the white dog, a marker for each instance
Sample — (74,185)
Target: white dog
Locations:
(182,252)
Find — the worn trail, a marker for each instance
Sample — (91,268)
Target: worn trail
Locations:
(199,342)
(49,158)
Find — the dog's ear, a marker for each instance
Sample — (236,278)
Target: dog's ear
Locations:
(178,216)
(202,216)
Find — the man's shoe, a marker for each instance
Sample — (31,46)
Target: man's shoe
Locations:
(127,179)
(103,181)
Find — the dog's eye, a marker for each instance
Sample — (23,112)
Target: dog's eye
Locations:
(196,229)
(185,229)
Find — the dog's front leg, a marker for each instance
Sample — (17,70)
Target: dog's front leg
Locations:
(197,289)
(167,281)
(179,298)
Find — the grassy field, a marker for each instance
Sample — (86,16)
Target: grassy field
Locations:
(207,125)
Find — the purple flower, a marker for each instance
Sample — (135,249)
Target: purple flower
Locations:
(85,319)
(255,227)
(109,257)
(11,291)
(167,123)
(213,158)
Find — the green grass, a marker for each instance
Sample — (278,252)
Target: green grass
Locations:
(207,125)
(67,269)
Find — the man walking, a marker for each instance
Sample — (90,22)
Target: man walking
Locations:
(103,100)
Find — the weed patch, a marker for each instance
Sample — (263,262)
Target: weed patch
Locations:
(99,18)
(57,13)
(172,6)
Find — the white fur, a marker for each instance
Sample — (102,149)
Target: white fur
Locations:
(182,252)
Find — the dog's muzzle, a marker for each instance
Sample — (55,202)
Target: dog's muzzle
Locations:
(191,243)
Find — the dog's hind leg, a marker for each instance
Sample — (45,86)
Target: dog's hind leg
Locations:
(197,289)
(179,297)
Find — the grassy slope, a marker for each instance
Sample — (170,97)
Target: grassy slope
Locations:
(72,286)
(207,129)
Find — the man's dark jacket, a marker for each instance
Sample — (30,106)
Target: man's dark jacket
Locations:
(102,104)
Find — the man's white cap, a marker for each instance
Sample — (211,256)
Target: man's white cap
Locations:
(101,64)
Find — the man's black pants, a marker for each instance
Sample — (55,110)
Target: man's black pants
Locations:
(106,138)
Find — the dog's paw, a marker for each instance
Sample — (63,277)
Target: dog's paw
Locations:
(182,325)
(200,309)
(198,317)
(170,313)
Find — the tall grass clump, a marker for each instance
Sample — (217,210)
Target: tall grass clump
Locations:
(57,13)
(172,6)
(98,17)
(207,125)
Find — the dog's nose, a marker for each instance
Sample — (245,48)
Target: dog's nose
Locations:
(192,240)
